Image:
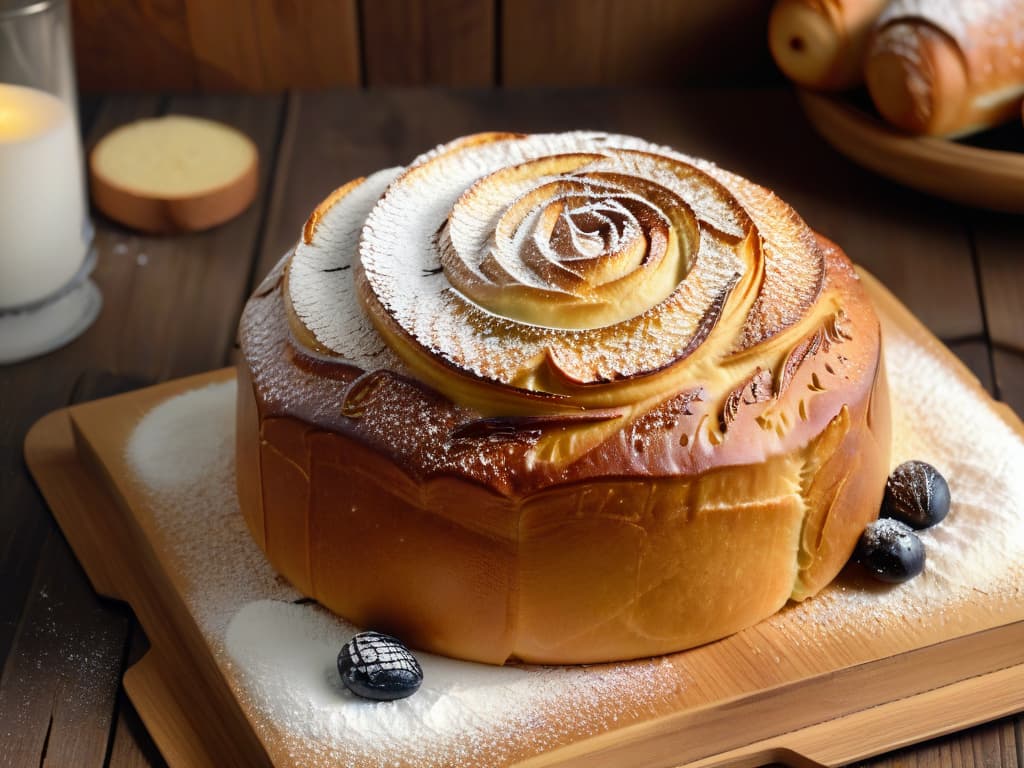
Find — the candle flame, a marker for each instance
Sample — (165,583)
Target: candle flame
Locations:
(26,112)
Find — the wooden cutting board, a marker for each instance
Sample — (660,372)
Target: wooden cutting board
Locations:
(760,696)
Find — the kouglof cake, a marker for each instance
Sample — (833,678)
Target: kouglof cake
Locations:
(560,398)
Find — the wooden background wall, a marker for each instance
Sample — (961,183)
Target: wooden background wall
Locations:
(271,45)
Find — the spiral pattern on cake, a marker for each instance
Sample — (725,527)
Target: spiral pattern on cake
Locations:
(562,398)
(571,270)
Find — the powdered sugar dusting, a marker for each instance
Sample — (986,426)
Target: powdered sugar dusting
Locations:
(979,547)
(320,281)
(463,714)
(955,17)
(280,656)
(462,242)
(988,33)
(885,530)
(183,453)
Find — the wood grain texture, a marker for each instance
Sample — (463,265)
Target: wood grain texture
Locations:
(972,175)
(131,745)
(63,670)
(61,676)
(993,744)
(190,287)
(178,294)
(999,244)
(610,42)
(133,45)
(271,45)
(157,606)
(37,386)
(919,247)
(429,42)
(184,45)
(844,677)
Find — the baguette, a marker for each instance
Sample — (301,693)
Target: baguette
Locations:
(946,68)
(820,44)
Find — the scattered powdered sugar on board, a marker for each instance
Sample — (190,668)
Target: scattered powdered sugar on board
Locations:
(281,656)
(163,453)
(979,547)
(286,657)
(183,452)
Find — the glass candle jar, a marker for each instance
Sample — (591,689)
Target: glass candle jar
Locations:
(46,298)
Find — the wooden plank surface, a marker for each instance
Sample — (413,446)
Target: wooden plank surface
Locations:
(64,666)
(183,45)
(131,745)
(166,314)
(128,45)
(642,42)
(994,744)
(61,677)
(171,306)
(272,46)
(429,42)
(268,45)
(844,679)
(27,391)
(999,241)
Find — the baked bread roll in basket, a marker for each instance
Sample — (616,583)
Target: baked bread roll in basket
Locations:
(561,398)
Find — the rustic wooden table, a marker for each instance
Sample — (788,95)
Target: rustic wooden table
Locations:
(171,306)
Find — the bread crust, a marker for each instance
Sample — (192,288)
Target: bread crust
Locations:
(943,69)
(820,44)
(549,564)
(433,464)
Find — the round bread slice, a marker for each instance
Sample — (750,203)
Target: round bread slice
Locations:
(174,174)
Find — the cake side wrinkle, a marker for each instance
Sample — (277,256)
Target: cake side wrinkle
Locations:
(580,522)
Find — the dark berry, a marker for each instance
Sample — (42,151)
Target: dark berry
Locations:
(891,551)
(379,667)
(916,494)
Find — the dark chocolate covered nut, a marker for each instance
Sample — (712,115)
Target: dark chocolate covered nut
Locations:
(891,551)
(916,494)
(377,666)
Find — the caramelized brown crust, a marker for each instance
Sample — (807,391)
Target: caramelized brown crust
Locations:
(564,398)
(402,511)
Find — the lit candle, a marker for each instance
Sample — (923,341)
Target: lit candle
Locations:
(43,224)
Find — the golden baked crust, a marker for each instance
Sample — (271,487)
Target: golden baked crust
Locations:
(510,508)
(947,68)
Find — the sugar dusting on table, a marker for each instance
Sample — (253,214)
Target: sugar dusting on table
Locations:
(281,654)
